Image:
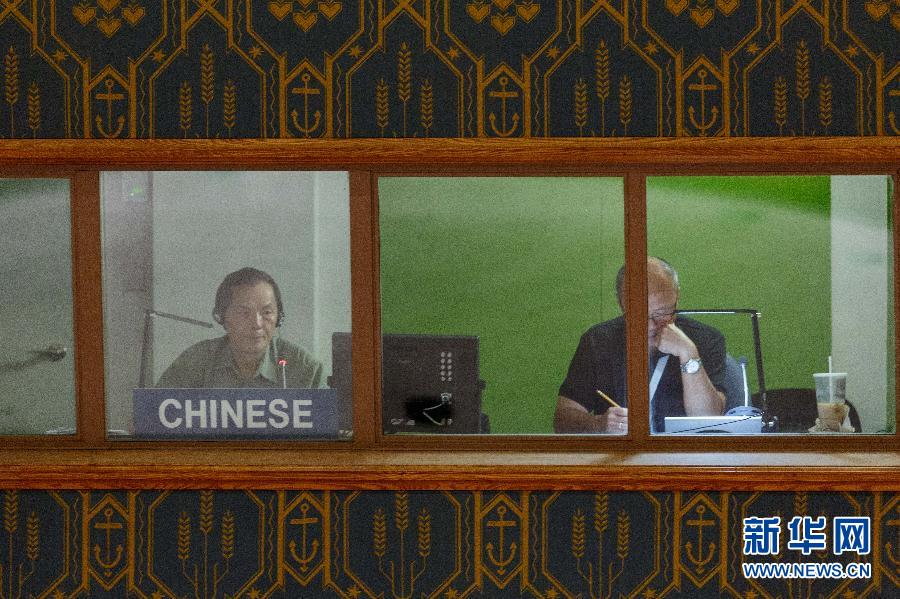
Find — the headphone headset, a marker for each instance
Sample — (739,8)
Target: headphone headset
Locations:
(244,276)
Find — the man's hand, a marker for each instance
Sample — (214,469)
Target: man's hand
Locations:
(672,340)
(700,396)
(572,417)
(614,421)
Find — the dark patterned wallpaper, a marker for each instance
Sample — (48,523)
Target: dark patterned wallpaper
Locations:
(441,68)
(398,545)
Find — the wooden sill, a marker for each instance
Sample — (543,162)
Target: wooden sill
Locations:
(558,155)
(217,468)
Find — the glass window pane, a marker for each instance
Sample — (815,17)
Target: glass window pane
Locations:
(487,285)
(813,255)
(37,387)
(222,293)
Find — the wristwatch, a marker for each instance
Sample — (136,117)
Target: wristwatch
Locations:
(692,366)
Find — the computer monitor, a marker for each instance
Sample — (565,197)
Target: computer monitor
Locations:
(430,383)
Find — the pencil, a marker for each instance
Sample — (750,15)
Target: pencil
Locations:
(608,398)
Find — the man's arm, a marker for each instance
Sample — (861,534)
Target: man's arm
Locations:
(701,398)
(572,417)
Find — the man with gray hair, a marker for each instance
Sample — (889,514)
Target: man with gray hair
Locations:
(686,365)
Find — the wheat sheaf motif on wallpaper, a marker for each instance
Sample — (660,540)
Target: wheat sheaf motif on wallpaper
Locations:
(406,545)
(433,68)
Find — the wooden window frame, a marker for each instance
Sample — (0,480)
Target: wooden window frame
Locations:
(372,459)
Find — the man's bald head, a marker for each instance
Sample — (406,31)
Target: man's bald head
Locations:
(661,277)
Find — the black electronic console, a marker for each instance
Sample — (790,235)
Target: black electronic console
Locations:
(430,383)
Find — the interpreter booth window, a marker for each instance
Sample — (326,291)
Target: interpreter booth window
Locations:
(37,385)
(770,304)
(487,287)
(223,292)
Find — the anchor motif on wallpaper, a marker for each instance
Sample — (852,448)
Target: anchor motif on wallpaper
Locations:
(505,129)
(702,13)
(12,574)
(308,552)
(401,574)
(109,562)
(879,9)
(479,10)
(501,524)
(892,119)
(109,97)
(306,91)
(305,18)
(700,560)
(703,126)
(108,15)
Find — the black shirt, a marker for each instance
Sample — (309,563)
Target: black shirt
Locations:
(599,363)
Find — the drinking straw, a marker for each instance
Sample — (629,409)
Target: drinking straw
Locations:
(830,382)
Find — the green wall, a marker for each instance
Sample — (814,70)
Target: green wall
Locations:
(753,242)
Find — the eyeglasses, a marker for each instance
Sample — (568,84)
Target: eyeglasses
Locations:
(266,314)
(661,317)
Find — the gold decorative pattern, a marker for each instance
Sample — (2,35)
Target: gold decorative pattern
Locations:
(780,103)
(185,104)
(506,125)
(879,10)
(112,126)
(826,113)
(246,63)
(601,78)
(106,540)
(11,85)
(403,567)
(34,108)
(581,105)
(404,79)
(700,535)
(403,545)
(305,522)
(701,116)
(625,103)
(229,106)
(381,105)
(108,15)
(306,16)
(426,106)
(802,81)
(703,11)
(502,526)
(506,15)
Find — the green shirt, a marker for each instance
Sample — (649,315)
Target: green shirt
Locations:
(209,364)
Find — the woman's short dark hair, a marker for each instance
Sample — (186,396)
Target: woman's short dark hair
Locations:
(245,276)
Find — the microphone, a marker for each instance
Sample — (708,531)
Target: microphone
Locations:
(746,409)
(283,363)
(743,362)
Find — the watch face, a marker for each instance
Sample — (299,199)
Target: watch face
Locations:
(691,366)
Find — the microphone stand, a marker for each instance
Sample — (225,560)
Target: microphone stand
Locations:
(767,418)
(147,343)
